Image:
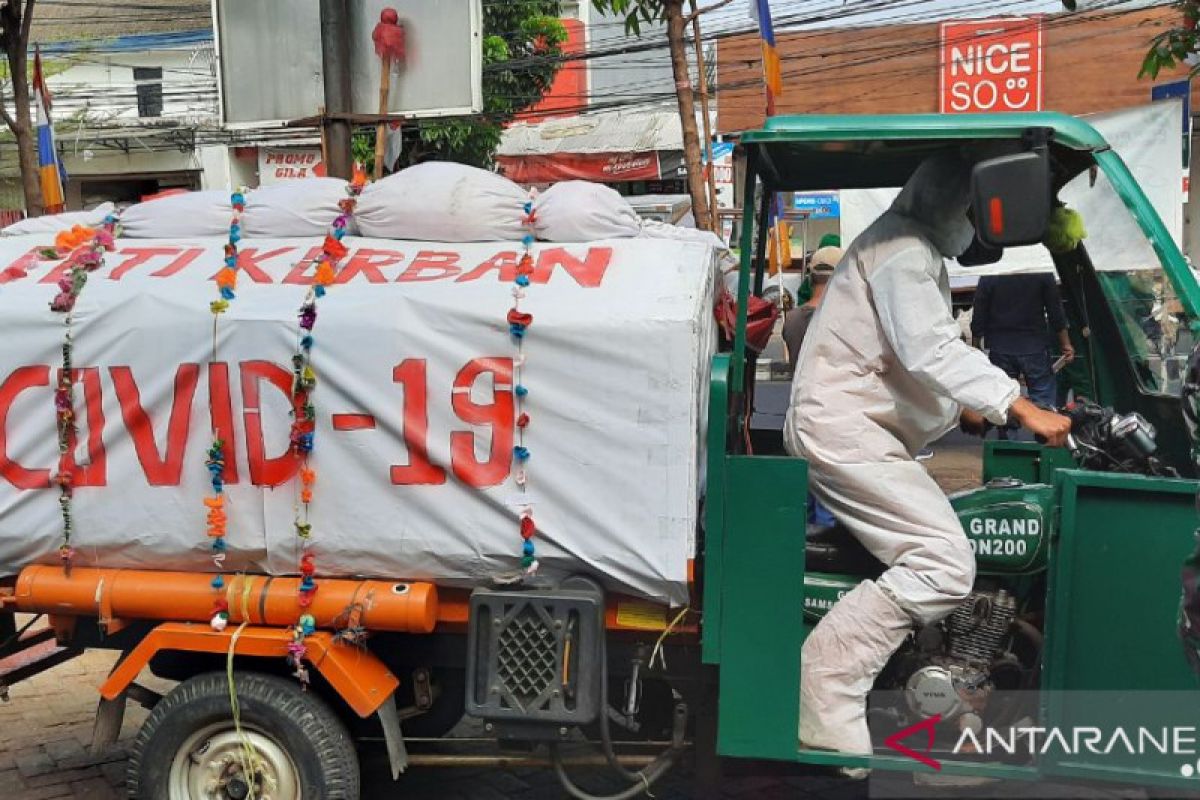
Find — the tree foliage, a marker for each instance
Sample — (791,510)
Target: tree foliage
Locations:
(1176,45)
(521,42)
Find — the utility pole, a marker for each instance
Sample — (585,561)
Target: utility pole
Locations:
(713,221)
(335,56)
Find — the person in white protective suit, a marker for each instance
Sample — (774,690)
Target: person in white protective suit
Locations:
(883,372)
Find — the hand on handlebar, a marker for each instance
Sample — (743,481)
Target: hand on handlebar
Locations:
(1054,428)
(972,423)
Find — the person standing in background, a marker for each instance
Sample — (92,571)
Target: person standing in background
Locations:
(824,261)
(1012,318)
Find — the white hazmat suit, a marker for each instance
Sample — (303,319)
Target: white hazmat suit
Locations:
(883,372)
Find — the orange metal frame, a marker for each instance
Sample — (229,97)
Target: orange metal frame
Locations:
(355,674)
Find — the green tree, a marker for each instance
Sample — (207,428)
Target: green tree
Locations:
(1173,46)
(522,42)
(670,12)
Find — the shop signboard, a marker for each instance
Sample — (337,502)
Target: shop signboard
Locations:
(991,65)
(722,168)
(818,205)
(276,164)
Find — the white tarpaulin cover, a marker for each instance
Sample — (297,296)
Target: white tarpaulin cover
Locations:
(1146,137)
(413,353)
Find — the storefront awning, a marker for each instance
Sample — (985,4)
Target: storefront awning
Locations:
(606,147)
(600,167)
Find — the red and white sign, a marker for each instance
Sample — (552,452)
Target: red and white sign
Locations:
(277,164)
(414,412)
(601,167)
(991,65)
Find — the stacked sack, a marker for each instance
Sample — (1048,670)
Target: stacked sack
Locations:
(439,201)
(435,202)
(300,207)
(53,223)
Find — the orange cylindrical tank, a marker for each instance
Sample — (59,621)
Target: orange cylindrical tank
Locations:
(259,599)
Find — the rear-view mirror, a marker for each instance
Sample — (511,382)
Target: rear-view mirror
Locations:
(1011,199)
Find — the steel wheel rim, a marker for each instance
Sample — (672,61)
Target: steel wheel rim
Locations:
(210,762)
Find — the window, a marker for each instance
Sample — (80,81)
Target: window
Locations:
(149,91)
(1154,324)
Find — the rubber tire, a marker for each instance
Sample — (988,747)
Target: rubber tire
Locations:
(303,725)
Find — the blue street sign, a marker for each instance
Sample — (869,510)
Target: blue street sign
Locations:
(818,205)
(1176,89)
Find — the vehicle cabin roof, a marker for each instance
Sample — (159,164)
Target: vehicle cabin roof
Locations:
(814,152)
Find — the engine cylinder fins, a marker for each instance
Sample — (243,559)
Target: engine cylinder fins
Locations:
(978,627)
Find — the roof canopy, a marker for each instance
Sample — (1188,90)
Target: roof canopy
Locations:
(815,152)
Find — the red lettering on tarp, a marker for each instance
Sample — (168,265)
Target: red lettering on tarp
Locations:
(431,265)
(18,381)
(498,415)
(588,272)
(20,267)
(188,256)
(300,273)
(95,472)
(504,263)
(221,405)
(137,257)
(57,272)
(264,471)
(164,470)
(367,262)
(410,373)
(248,261)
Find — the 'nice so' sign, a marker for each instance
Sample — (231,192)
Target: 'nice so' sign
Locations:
(991,65)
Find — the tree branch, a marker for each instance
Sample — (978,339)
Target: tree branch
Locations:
(27,23)
(687,20)
(4,115)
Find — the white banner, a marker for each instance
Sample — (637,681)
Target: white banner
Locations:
(1146,138)
(414,441)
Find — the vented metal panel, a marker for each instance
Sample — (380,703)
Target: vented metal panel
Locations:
(534,657)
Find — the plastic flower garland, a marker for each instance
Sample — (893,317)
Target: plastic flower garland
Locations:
(304,414)
(518,326)
(83,249)
(214,462)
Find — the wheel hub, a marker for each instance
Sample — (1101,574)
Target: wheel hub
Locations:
(219,764)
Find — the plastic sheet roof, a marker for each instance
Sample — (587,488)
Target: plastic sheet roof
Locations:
(606,132)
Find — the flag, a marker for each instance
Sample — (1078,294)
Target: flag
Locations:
(779,241)
(760,11)
(50,170)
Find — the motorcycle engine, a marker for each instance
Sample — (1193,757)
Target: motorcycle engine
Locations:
(951,670)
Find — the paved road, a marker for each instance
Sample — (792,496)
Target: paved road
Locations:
(47,726)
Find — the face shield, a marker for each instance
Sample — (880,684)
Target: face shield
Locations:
(937,196)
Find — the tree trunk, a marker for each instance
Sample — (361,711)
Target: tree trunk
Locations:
(676,33)
(16,24)
(26,147)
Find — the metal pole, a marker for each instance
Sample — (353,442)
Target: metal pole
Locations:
(335,56)
(708,153)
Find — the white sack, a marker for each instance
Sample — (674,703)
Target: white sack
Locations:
(726,263)
(53,223)
(299,207)
(582,211)
(617,373)
(443,202)
(179,216)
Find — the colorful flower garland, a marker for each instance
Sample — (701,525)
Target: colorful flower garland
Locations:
(84,250)
(518,326)
(304,415)
(214,462)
